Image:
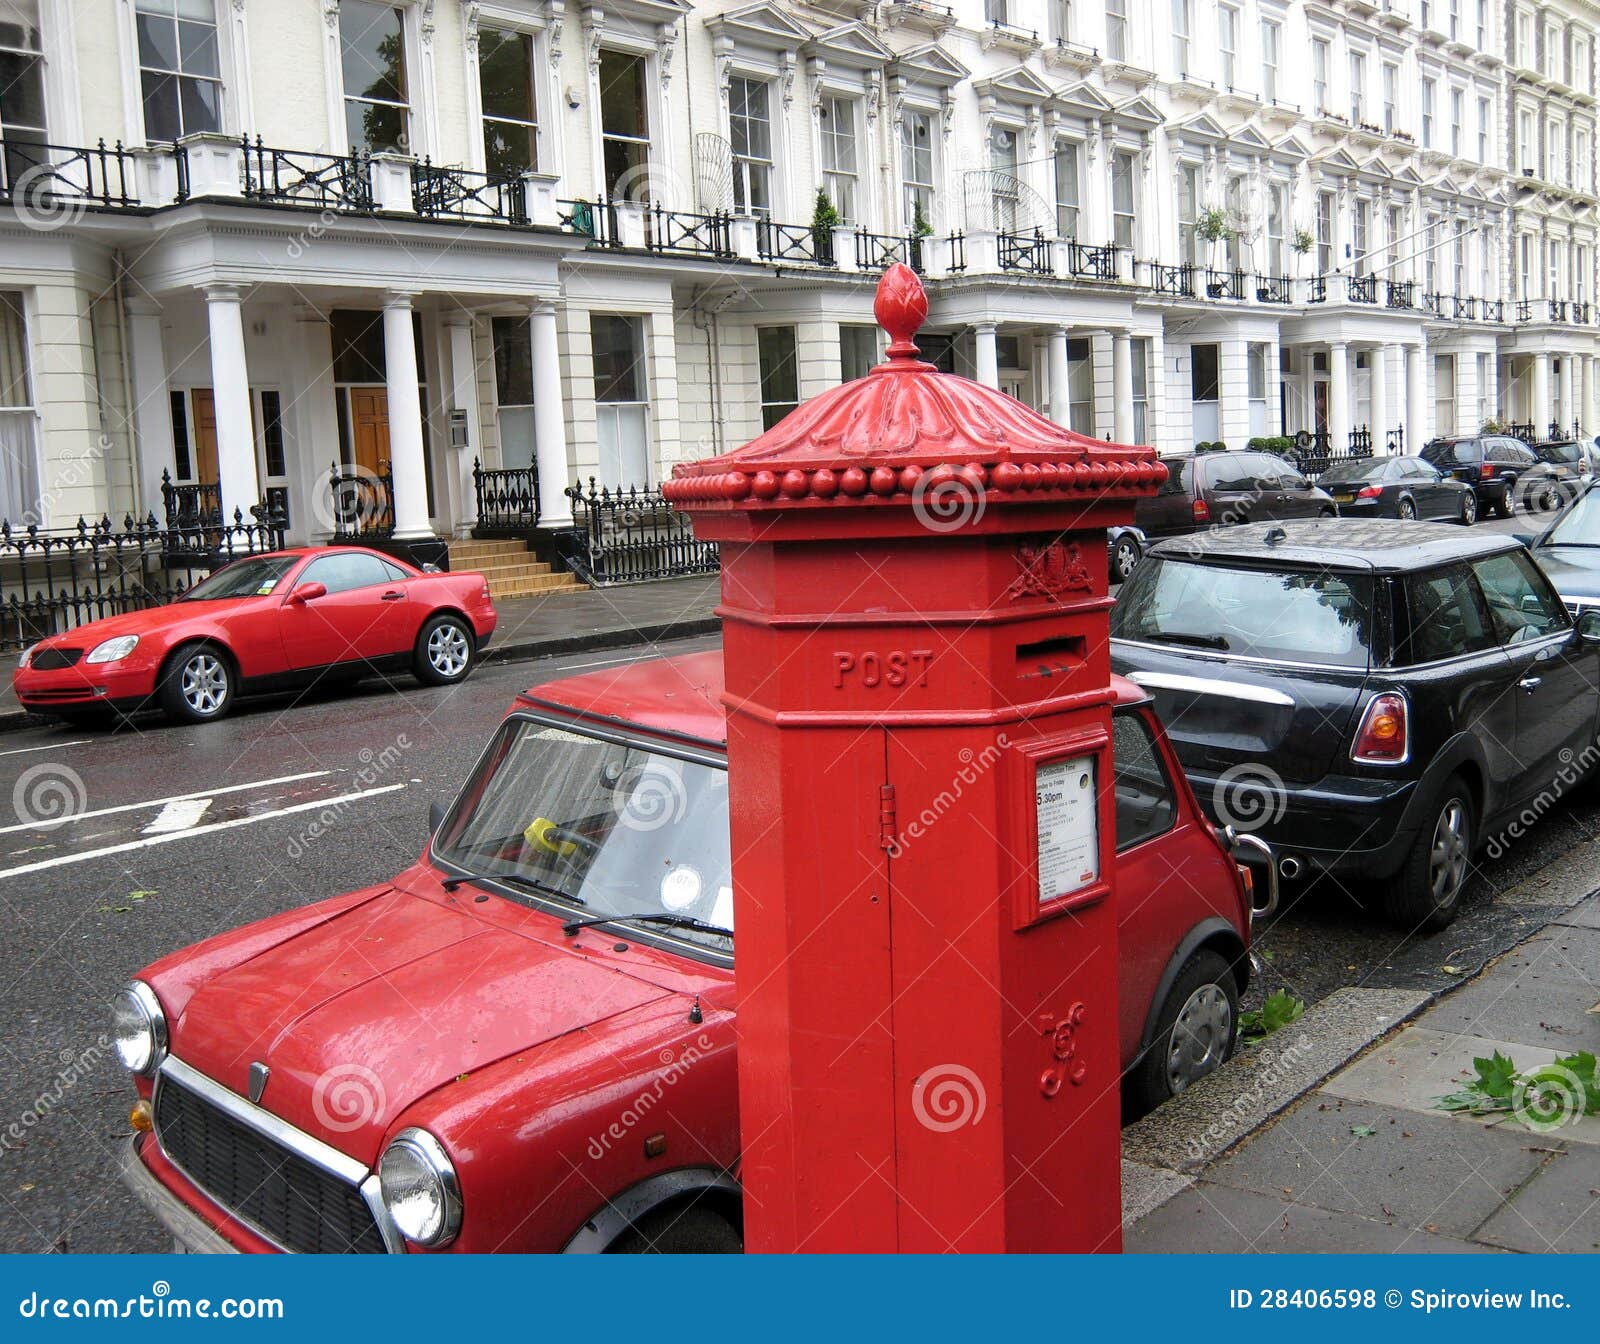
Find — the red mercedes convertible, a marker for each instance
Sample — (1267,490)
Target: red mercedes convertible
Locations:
(268,622)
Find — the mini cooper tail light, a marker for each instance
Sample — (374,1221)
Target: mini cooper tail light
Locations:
(1384,737)
(1202,511)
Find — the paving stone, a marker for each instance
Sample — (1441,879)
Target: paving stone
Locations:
(1417,1171)
(1559,1210)
(1214,1219)
(1570,879)
(1585,915)
(1145,1188)
(1538,993)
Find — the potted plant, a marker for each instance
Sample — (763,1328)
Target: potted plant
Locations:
(920,229)
(824,220)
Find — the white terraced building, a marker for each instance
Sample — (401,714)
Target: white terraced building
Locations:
(245,244)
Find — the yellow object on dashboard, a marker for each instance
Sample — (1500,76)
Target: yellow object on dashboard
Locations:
(540,832)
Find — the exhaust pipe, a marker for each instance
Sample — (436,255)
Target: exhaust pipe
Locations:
(1290,866)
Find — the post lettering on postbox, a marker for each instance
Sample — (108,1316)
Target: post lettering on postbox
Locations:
(1068,818)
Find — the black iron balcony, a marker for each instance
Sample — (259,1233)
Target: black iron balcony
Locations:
(1465,308)
(1177,281)
(1317,289)
(36,175)
(1273,289)
(460,193)
(1493,310)
(1398,293)
(1522,429)
(879,251)
(1361,288)
(1580,311)
(687,233)
(1225,284)
(1027,253)
(1524,310)
(1558,310)
(1433,304)
(793,244)
(293,177)
(1090,262)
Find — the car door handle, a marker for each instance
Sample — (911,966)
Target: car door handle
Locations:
(1530,684)
(391,597)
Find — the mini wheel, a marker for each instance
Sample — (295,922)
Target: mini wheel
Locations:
(444,652)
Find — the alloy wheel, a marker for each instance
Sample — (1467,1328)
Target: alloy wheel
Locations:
(1448,856)
(448,651)
(1200,1037)
(1407,509)
(1469,509)
(1127,556)
(204,684)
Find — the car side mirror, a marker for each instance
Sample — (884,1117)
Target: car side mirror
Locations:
(308,592)
(436,815)
(1526,538)
(1589,626)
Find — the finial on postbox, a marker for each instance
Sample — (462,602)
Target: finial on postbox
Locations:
(901,307)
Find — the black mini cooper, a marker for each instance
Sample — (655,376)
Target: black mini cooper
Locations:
(1375,699)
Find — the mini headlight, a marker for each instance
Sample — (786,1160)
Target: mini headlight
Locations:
(112,649)
(27,653)
(139,1028)
(419,1188)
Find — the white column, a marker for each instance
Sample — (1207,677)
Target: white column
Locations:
(988,354)
(405,420)
(1379,360)
(1060,375)
(152,415)
(1416,399)
(1568,413)
(230,388)
(1155,389)
(1121,387)
(464,398)
(1338,397)
(1591,396)
(549,419)
(1540,414)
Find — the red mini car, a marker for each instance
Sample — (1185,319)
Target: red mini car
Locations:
(525,1042)
(263,623)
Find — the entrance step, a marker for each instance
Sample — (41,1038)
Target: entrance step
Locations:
(510,569)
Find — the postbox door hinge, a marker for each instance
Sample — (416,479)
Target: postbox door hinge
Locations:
(886,817)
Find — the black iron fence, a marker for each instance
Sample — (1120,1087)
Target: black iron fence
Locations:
(1524,430)
(188,505)
(794,243)
(296,177)
(508,499)
(1092,262)
(1398,293)
(53,581)
(1272,289)
(1315,452)
(628,535)
(1175,280)
(1025,252)
(685,232)
(362,501)
(1362,288)
(460,193)
(1225,285)
(39,175)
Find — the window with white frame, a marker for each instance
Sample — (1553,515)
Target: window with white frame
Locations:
(22,112)
(1004,187)
(1429,93)
(1080,386)
(1358,87)
(622,401)
(1525,266)
(1069,187)
(1430,253)
(1360,234)
(1458,115)
(513,386)
(750,137)
(1277,228)
(1527,142)
(1582,160)
(1320,54)
(1189,213)
(1453,29)
(1227,45)
(1488,262)
(1117,30)
(1391,97)
(1324,232)
(1485,129)
(510,107)
(1580,77)
(1256,353)
(1233,201)
(1393,229)
(860,348)
(841,172)
(916,166)
(1552,50)
(994,11)
(1552,254)
(180,67)
(1554,137)
(1182,14)
(1271,55)
(1205,390)
(19,466)
(1124,196)
(1580,273)
(1060,17)
(1458,265)
(779,366)
(625,125)
(1525,54)
(1481,28)
(1139,358)
(1425,13)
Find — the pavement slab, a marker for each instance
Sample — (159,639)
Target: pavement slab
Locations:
(1585,915)
(1558,1210)
(1569,880)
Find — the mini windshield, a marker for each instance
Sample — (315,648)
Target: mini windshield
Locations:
(1579,525)
(1295,615)
(618,829)
(243,578)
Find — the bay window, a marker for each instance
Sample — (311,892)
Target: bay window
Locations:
(180,71)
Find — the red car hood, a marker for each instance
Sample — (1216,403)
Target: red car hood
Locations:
(146,622)
(363,1015)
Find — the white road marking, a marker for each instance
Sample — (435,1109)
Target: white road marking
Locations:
(178,815)
(49,746)
(151,840)
(602,662)
(161,802)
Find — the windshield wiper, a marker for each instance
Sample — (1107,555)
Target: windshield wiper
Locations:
(513,880)
(645,917)
(1199,641)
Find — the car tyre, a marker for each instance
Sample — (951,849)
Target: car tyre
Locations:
(1503,505)
(1549,498)
(680,1230)
(197,685)
(1407,510)
(1124,558)
(1194,1034)
(1469,509)
(445,651)
(1328,513)
(1426,893)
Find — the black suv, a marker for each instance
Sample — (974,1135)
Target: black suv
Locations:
(1501,469)
(1212,489)
(1374,698)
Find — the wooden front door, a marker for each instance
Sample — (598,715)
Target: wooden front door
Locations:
(204,465)
(369,427)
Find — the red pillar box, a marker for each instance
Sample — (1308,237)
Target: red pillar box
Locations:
(914,601)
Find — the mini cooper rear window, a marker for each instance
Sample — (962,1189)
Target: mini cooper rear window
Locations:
(1292,615)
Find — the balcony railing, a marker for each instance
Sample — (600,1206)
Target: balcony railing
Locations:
(1398,293)
(1433,304)
(1029,253)
(363,501)
(461,193)
(507,498)
(1177,281)
(294,177)
(1092,262)
(1273,289)
(632,535)
(794,244)
(1524,310)
(1317,289)
(1524,430)
(38,176)
(879,251)
(1465,308)
(1558,310)
(955,254)
(1494,310)
(1580,311)
(1225,284)
(685,232)
(1361,288)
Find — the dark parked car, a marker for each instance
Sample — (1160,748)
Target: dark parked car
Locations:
(1372,698)
(1504,471)
(1571,461)
(1569,551)
(1398,487)
(1211,489)
(1124,549)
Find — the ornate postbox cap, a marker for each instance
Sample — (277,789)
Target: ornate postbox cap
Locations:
(906,429)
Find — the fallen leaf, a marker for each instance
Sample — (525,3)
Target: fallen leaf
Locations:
(1453,970)
(1363,1131)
